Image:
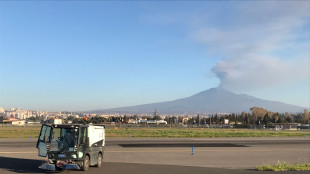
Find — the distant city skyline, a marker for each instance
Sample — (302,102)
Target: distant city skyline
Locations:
(80,55)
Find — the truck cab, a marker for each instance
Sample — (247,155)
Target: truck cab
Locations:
(71,146)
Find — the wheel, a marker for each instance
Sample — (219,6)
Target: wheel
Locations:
(57,168)
(85,165)
(99,161)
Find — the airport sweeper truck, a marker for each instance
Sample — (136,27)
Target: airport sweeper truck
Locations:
(71,146)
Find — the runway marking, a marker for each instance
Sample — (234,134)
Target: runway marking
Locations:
(167,151)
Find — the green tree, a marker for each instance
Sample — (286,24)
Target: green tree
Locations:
(70,118)
(191,121)
(266,119)
(156,117)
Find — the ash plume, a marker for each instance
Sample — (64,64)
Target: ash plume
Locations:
(265,45)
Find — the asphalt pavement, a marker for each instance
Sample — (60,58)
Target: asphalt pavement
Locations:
(170,155)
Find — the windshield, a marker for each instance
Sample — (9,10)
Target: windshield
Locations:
(63,139)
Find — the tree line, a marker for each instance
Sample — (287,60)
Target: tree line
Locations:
(257,116)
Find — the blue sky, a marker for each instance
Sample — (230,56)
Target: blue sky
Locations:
(78,55)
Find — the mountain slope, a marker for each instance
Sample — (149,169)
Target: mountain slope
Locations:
(214,100)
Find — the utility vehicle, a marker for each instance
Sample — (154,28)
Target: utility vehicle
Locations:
(71,146)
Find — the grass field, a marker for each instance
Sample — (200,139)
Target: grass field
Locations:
(26,132)
(19,132)
(199,133)
(284,166)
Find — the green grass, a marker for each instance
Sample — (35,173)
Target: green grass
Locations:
(19,132)
(284,166)
(26,132)
(199,133)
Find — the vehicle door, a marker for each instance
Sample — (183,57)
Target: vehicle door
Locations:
(43,139)
(83,142)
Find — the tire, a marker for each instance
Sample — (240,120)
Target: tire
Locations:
(99,160)
(58,168)
(85,165)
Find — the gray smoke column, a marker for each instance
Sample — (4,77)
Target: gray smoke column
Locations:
(266,44)
(259,72)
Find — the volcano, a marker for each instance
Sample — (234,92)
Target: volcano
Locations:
(214,100)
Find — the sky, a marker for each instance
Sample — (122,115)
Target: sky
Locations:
(85,55)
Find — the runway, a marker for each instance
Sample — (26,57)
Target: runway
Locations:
(170,155)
